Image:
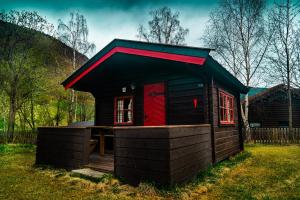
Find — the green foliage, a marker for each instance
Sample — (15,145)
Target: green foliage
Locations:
(32,66)
(16,148)
(2,124)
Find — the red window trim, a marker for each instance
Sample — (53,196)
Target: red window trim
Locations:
(139,52)
(115,111)
(226,108)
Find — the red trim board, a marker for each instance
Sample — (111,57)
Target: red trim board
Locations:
(139,52)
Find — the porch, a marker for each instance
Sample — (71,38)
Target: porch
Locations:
(163,154)
(76,147)
(101,155)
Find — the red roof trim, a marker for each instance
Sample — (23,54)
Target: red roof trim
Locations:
(139,52)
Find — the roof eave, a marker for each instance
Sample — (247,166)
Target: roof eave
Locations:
(135,45)
(227,75)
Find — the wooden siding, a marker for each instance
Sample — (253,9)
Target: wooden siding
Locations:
(165,155)
(227,137)
(63,147)
(180,92)
(272,112)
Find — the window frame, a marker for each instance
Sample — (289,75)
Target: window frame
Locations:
(226,108)
(116,111)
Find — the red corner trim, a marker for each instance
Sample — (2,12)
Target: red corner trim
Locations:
(139,52)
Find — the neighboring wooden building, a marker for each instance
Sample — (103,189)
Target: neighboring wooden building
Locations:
(173,110)
(269,108)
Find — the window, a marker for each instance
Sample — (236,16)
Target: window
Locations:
(123,110)
(226,108)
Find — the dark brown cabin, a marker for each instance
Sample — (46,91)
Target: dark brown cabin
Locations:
(172,110)
(269,108)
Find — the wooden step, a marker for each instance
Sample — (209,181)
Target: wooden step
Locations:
(103,167)
(101,163)
(87,172)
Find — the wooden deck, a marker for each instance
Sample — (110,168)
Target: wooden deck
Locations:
(101,163)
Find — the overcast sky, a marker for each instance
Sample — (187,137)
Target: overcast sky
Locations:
(119,19)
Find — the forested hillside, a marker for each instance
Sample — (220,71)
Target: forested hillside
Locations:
(32,66)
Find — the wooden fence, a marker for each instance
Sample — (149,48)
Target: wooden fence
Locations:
(20,137)
(275,135)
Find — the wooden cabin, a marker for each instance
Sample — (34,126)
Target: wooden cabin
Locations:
(268,108)
(171,111)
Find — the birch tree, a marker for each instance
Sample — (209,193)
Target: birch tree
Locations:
(74,33)
(284,52)
(297,69)
(236,29)
(164,27)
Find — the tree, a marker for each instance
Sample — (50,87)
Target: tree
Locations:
(236,30)
(284,52)
(296,77)
(164,27)
(20,59)
(74,33)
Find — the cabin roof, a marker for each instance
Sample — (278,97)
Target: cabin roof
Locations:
(184,54)
(260,93)
(254,91)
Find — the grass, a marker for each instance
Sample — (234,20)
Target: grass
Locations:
(260,172)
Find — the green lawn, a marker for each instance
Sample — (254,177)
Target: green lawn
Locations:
(261,172)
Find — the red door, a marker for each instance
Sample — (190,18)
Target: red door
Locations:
(154,104)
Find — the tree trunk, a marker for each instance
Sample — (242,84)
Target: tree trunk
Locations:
(290,114)
(244,112)
(12,117)
(70,108)
(290,109)
(32,113)
(288,67)
(73,102)
(75,107)
(57,116)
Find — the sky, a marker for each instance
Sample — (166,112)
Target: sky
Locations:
(120,18)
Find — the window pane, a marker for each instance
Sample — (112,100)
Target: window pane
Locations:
(124,110)
(127,116)
(225,115)
(221,114)
(226,106)
(128,103)
(231,116)
(119,117)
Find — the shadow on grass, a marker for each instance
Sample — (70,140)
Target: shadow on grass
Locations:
(209,176)
(213,172)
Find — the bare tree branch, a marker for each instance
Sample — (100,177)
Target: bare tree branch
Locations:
(164,27)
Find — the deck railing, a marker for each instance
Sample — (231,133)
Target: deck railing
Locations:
(275,135)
